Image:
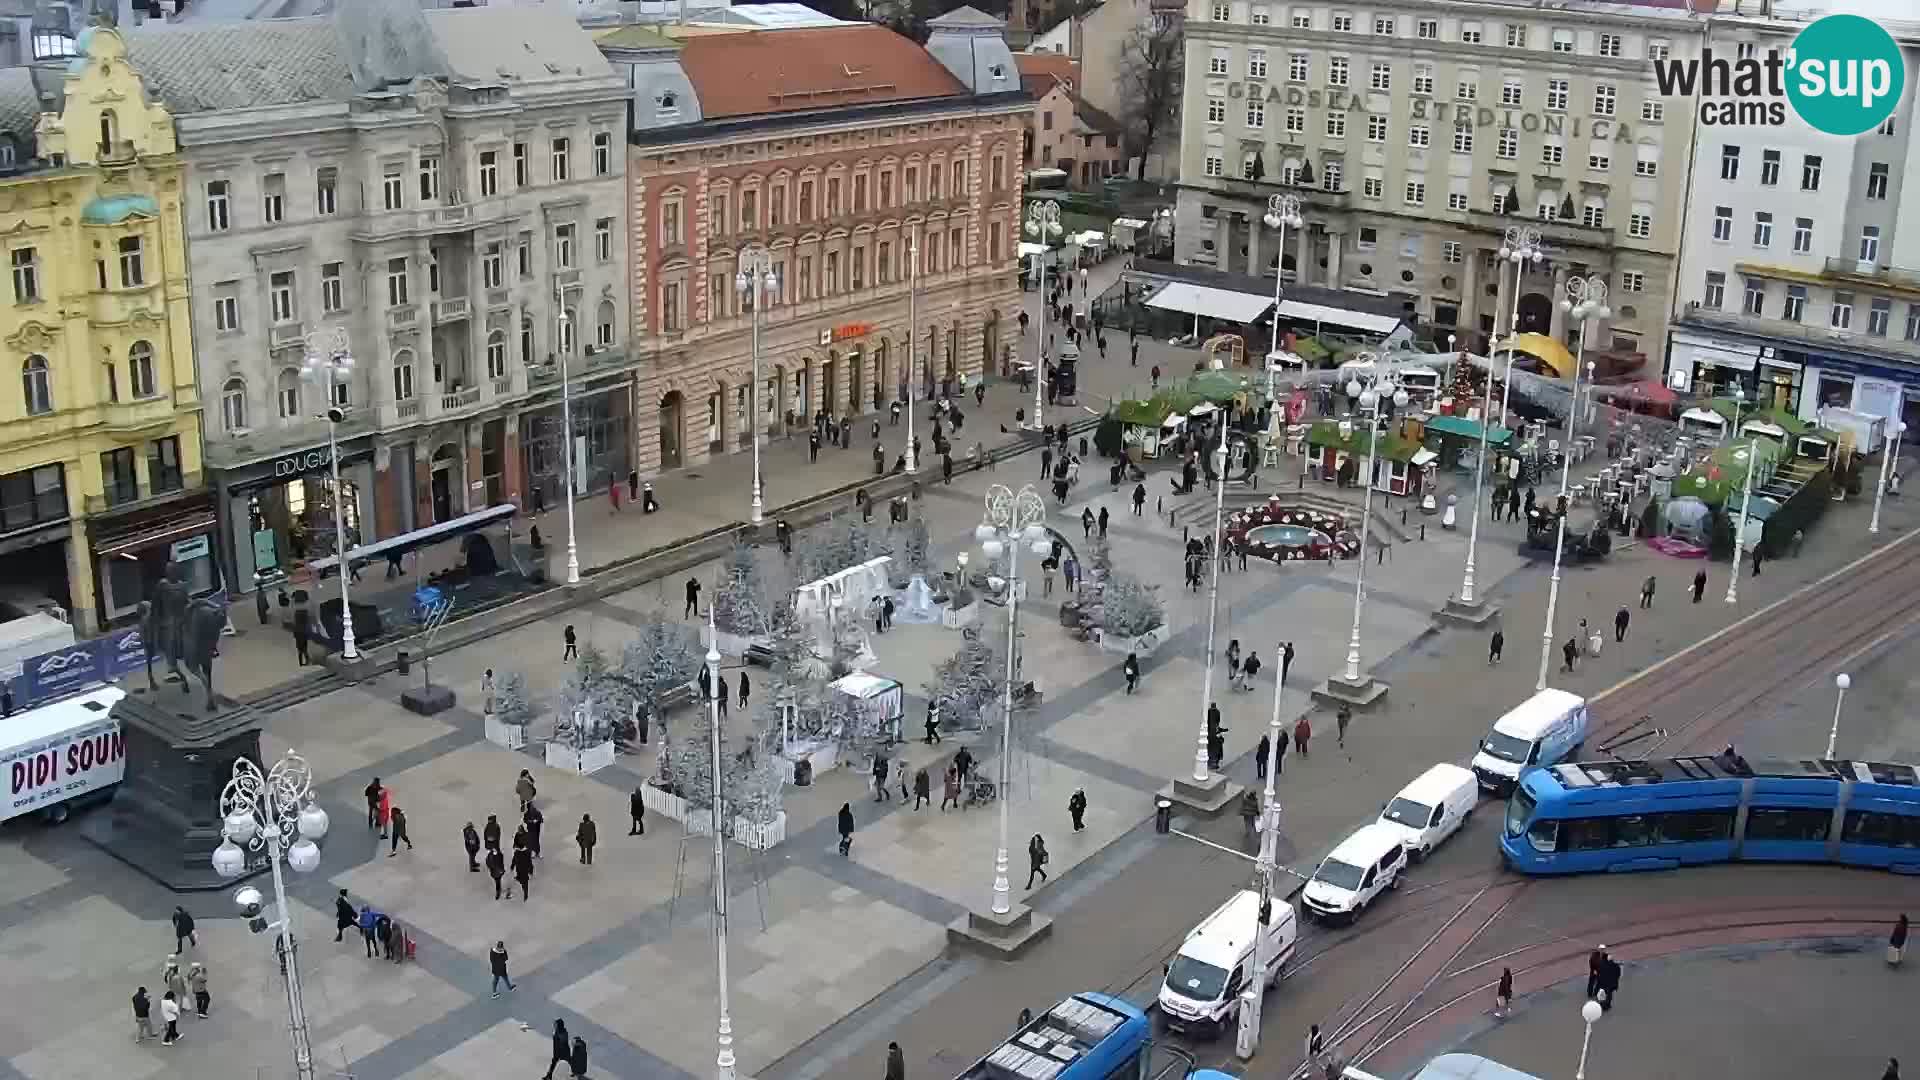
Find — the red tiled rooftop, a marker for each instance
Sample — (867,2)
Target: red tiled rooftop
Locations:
(800,70)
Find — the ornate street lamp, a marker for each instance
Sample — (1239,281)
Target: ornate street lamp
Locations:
(329,362)
(1010,517)
(1282,211)
(1586,298)
(1043,224)
(1371,399)
(757,286)
(1521,247)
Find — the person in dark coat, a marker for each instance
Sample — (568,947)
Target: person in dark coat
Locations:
(1495,645)
(1077,809)
(693,598)
(1897,942)
(846,828)
(491,834)
(535,820)
(1139,498)
(1596,963)
(302,633)
(522,870)
(587,835)
(896,1062)
(1699,585)
(470,837)
(880,766)
(562,1047)
(183,931)
(922,789)
(1609,983)
(372,793)
(1102,523)
(1131,669)
(1503,994)
(1261,753)
(399,832)
(743,675)
(637,810)
(497,867)
(1620,620)
(1036,859)
(1286,661)
(497,966)
(344,917)
(1570,652)
(571,643)
(577,1060)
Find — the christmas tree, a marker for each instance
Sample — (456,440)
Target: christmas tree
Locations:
(511,702)
(585,688)
(662,657)
(967,685)
(1130,607)
(741,603)
(912,546)
(689,764)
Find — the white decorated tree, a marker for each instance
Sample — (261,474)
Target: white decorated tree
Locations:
(1130,607)
(912,546)
(742,603)
(689,763)
(512,702)
(968,684)
(665,655)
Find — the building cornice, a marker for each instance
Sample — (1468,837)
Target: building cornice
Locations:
(706,134)
(1492,57)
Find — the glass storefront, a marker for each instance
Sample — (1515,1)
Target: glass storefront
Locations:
(279,526)
(602,440)
(128,577)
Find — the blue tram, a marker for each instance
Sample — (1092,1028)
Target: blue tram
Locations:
(1659,814)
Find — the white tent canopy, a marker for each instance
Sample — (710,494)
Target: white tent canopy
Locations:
(1213,303)
(1319,313)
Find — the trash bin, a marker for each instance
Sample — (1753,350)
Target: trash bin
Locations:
(405,665)
(1162,816)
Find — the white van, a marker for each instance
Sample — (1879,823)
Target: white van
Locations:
(1432,808)
(1365,865)
(1541,730)
(1204,979)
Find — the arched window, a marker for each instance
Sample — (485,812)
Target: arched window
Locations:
(140,365)
(603,325)
(526,340)
(38,380)
(287,393)
(403,375)
(233,405)
(109,131)
(497,354)
(567,320)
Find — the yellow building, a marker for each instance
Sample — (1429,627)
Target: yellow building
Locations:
(100,482)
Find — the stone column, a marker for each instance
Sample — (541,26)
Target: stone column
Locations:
(1557,323)
(1470,292)
(1503,299)
(1335,241)
(1303,255)
(1254,225)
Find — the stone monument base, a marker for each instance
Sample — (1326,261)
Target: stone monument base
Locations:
(426,700)
(1471,616)
(1002,936)
(1204,797)
(1359,693)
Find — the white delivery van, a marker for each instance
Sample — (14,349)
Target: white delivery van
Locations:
(29,636)
(59,753)
(1204,979)
(1365,865)
(1432,808)
(1541,730)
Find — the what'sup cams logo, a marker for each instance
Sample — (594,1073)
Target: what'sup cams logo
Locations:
(1843,75)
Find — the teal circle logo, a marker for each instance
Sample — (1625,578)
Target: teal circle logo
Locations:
(1845,75)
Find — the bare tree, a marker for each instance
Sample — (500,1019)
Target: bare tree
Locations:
(1150,71)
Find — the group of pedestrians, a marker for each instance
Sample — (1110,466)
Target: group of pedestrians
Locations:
(185,990)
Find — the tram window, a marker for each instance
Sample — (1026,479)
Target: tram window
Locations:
(1634,830)
(1883,830)
(1586,834)
(1775,823)
(1693,826)
(1544,834)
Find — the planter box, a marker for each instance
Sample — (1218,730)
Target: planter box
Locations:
(582,760)
(665,803)
(1143,645)
(825,756)
(959,618)
(511,736)
(760,837)
(734,644)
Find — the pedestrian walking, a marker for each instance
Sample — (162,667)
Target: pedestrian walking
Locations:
(1646,592)
(880,768)
(302,634)
(1101,521)
(1620,620)
(1699,585)
(845,825)
(142,1015)
(1036,859)
(197,981)
(1139,498)
(922,789)
(470,839)
(523,787)
(896,1063)
(577,1058)
(721,693)
(497,869)
(523,870)
(693,599)
(1260,754)
(562,1048)
(950,788)
(1046,461)
(368,920)
(1086,523)
(170,1016)
(1154,375)
(613,494)
(497,965)
(637,812)
(570,643)
(344,917)
(372,792)
(1077,808)
(1758,554)
(1570,652)
(1316,1045)
(1302,731)
(743,671)
(1893,1070)
(1596,963)
(1495,645)
(534,821)
(174,979)
(1897,942)
(399,822)
(1609,983)
(587,835)
(1503,995)
(1286,661)
(1249,670)
(386,810)
(183,932)
(490,835)
(1340,721)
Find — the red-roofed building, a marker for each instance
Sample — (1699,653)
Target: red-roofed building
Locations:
(1065,131)
(840,152)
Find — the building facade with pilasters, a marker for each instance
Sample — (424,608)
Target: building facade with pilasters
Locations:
(837,160)
(1416,132)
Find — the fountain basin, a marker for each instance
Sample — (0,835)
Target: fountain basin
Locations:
(1287,536)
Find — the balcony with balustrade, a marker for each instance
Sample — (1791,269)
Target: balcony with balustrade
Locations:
(375,226)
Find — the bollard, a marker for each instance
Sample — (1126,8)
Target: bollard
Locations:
(404,662)
(1162,816)
(1423,530)
(1403,515)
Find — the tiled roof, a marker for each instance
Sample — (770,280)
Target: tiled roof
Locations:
(25,93)
(241,65)
(962,18)
(1048,65)
(634,36)
(1095,118)
(520,46)
(782,71)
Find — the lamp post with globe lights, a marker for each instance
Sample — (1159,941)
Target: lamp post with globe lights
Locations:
(1521,247)
(1009,519)
(1043,224)
(1751,455)
(1841,684)
(1889,467)
(758,286)
(913,341)
(1201,774)
(1590,1014)
(267,812)
(1283,211)
(1586,298)
(724,1062)
(566,437)
(329,363)
(1268,871)
(1467,606)
(1372,399)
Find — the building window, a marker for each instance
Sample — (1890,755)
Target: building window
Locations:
(1840,313)
(1877,180)
(1423,79)
(1653,112)
(1563,41)
(1633,281)
(1810,173)
(1640,226)
(1468,88)
(1217,59)
(1512,91)
(1516,35)
(526,340)
(1869,243)
(1299,67)
(1416,193)
(489,173)
(1296,121)
(429,178)
(1598,161)
(523,256)
(1605,98)
(1366,238)
(1552,153)
(1646,166)
(1879,314)
(1450,251)
(670,223)
(1769,165)
(1462,137)
(1372,187)
(1216,166)
(280,296)
(1913,322)
(1336,124)
(1658,50)
(1427,29)
(1384,25)
(1610,45)
(1342,22)
(1796,307)
(1755,296)
(565,339)
(118,478)
(1330,175)
(1470,33)
(603,325)
(288,395)
(1336,71)
(1376,128)
(226,308)
(563,245)
(1509,143)
(1222,12)
(1457,200)
(219,205)
(396,282)
(1302,19)
(332,292)
(1556,95)
(1380,76)
(140,369)
(1715,293)
(522,166)
(1729,163)
(1595,215)
(561,155)
(602,153)
(1723,223)
(1802,235)
(603,240)
(133,271)
(403,375)
(497,354)
(490,266)
(26,276)
(326,191)
(1260,15)
(1762,228)
(37,380)
(273,198)
(233,406)
(393,186)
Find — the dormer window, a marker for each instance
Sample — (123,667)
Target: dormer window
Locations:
(997,71)
(52,45)
(666,105)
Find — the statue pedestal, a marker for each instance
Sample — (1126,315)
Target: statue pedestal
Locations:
(164,820)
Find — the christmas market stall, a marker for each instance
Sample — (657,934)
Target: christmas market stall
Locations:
(1338,449)
(1457,440)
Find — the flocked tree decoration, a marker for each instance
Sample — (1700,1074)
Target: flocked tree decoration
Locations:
(665,655)
(911,546)
(689,762)
(585,688)
(1130,607)
(512,704)
(741,604)
(967,684)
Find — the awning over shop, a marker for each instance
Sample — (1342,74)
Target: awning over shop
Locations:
(1467,429)
(1029,248)
(1129,223)
(1691,351)
(1424,457)
(1651,391)
(1549,352)
(432,534)
(1320,313)
(1212,303)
